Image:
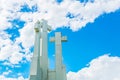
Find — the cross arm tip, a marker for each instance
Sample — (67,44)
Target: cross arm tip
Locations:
(52,39)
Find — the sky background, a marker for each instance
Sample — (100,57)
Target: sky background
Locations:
(92,27)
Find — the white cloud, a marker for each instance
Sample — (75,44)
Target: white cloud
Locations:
(56,13)
(27,36)
(84,12)
(6,73)
(11,51)
(101,68)
(4,78)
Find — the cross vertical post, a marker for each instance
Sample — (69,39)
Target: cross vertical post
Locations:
(58,39)
(44,57)
(35,64)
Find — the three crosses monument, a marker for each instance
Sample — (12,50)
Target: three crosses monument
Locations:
(39,66)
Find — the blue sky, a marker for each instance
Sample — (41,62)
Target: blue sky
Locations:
(92,36)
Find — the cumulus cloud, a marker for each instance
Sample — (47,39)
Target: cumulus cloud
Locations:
(101,68)
(56,14)
(11,51)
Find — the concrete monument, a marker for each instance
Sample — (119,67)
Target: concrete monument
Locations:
(39,66)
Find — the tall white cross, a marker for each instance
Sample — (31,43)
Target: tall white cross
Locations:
(59,66)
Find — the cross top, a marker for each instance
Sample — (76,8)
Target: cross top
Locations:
(42,25)
(58,38)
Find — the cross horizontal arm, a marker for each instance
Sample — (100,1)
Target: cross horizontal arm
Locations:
(49,28)
(52,39)
(64,38)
